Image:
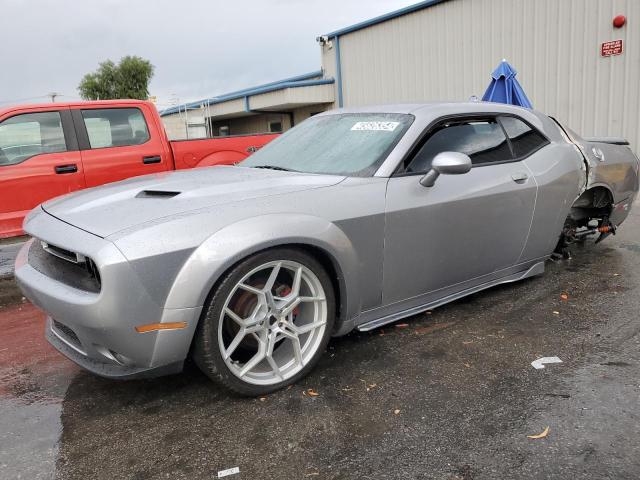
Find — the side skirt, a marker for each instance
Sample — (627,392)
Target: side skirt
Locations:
(536,269)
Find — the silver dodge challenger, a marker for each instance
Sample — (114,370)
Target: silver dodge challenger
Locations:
(351,220)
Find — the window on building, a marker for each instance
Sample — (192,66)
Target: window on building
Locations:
(524,139)
(275,127)
(115,127)
(29,134)
(482,140)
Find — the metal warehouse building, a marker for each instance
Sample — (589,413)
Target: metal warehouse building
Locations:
(573,63)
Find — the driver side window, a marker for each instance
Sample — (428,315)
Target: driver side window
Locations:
(482,140)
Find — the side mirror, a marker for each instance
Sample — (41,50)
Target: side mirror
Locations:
(446,163)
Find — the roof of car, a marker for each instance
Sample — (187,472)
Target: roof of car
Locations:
(428,107)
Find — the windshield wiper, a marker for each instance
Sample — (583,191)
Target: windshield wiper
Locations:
(274,167)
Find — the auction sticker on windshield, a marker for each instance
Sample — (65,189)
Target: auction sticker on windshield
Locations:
(376,126)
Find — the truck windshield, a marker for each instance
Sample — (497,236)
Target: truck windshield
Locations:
(353,144)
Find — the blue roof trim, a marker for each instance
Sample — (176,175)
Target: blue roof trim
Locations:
(291,82)
(385,17)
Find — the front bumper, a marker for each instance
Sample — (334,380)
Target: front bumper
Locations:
(104,369)
(97,329)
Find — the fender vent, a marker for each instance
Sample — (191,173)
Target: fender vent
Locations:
(157,194)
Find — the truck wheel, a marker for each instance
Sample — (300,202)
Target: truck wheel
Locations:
(267,323)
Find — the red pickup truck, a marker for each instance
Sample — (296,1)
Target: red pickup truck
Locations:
(52,149)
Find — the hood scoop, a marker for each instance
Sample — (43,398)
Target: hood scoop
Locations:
(157,194)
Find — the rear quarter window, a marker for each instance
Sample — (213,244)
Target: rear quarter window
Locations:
(524,139)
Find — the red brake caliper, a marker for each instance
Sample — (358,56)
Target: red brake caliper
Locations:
(283,291)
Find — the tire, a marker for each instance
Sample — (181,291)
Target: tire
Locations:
(258,332)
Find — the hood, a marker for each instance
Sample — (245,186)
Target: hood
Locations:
(111,208)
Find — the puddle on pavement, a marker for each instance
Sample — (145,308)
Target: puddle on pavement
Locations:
(33,381)
(8,251)
(632,247)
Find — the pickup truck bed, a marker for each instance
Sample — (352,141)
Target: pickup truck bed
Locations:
(53,149)
(216,151)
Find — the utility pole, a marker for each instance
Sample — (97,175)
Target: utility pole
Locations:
(53,96)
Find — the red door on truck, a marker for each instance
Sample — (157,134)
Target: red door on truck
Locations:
(39,160)
(119,142)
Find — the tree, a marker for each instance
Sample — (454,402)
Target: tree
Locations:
(128,79)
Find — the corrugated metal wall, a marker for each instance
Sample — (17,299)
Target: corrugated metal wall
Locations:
(447,52)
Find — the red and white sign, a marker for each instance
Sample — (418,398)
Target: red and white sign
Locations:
(614,47)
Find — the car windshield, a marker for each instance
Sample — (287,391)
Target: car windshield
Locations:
(353,144)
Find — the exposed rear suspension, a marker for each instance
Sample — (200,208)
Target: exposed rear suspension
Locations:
(572,234)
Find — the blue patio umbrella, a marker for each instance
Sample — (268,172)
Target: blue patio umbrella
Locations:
(504,88)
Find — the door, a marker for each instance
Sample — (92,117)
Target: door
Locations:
(116,143)
(465,226)
(39,160)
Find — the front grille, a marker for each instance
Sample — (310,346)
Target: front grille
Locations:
(67,333)
(60,266)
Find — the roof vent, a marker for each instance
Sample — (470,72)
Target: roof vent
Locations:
(156,194)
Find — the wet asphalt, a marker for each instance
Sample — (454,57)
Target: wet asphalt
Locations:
(8,251)
(449,394)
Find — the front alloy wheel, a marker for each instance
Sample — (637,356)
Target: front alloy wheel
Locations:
(271,318)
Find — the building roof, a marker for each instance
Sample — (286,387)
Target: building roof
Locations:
(387,16)
(304,80)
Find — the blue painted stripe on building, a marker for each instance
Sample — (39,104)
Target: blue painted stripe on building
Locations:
(385,17)
(284,83)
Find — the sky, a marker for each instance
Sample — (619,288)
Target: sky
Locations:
(199,48)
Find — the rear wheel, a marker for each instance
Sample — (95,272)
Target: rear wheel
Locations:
(267,323)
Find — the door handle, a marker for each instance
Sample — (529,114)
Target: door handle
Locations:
(519,177)
(62,169)
(151,159)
